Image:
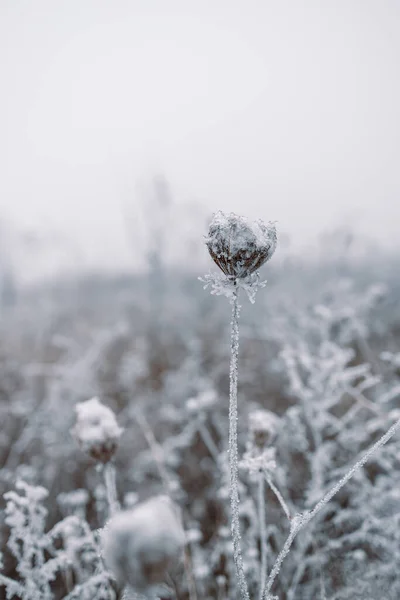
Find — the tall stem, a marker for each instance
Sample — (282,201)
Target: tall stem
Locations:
(263,532)
(233,449)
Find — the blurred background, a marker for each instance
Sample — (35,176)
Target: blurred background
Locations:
(277,110)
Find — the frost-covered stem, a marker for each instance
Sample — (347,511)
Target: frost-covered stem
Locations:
(278,495)
(278,563)
(109,474)
(263,532)
(305,518)
(233,448)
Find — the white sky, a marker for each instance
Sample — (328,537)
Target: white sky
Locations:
(283,109)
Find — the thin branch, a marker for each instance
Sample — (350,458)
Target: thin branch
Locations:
(279,496)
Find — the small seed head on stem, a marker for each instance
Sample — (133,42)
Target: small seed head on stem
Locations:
(238,246)
(96,430)
(263,428)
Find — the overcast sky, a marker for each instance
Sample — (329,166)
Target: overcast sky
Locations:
(287,110)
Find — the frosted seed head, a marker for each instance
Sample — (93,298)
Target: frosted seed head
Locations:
(263,427)
(140,545)
(238,246)
(96,430)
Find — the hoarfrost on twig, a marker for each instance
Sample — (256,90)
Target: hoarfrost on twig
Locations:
(263,532)
(233,451)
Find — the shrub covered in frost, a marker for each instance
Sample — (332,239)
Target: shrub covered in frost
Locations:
(140,545)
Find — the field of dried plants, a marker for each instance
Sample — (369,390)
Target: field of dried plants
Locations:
(318,385)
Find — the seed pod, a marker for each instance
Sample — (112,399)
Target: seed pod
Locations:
(263,426)
(239,247)
(96,430)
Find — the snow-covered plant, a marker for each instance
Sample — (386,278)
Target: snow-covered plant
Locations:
(259,461)
(239,248)
(38,563)
(87,577)
(140,545)
(40,558)
(302,519)
(97,432)
(323,378)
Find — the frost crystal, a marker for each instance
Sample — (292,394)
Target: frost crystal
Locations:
(141,544)
(227,286)
(96,430)
(256,462)
(239,247)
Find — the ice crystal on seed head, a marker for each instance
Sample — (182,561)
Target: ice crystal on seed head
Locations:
(227,286)
(96,430)
(256,462)
(238,246)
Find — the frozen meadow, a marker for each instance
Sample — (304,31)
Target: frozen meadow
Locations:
(160,442)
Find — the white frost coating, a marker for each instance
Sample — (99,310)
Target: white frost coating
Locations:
(96,429)
(141,544)
(227,286)
(240,247)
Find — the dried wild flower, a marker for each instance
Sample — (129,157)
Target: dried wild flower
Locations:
(96,430)
(238,246)
(263,426)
